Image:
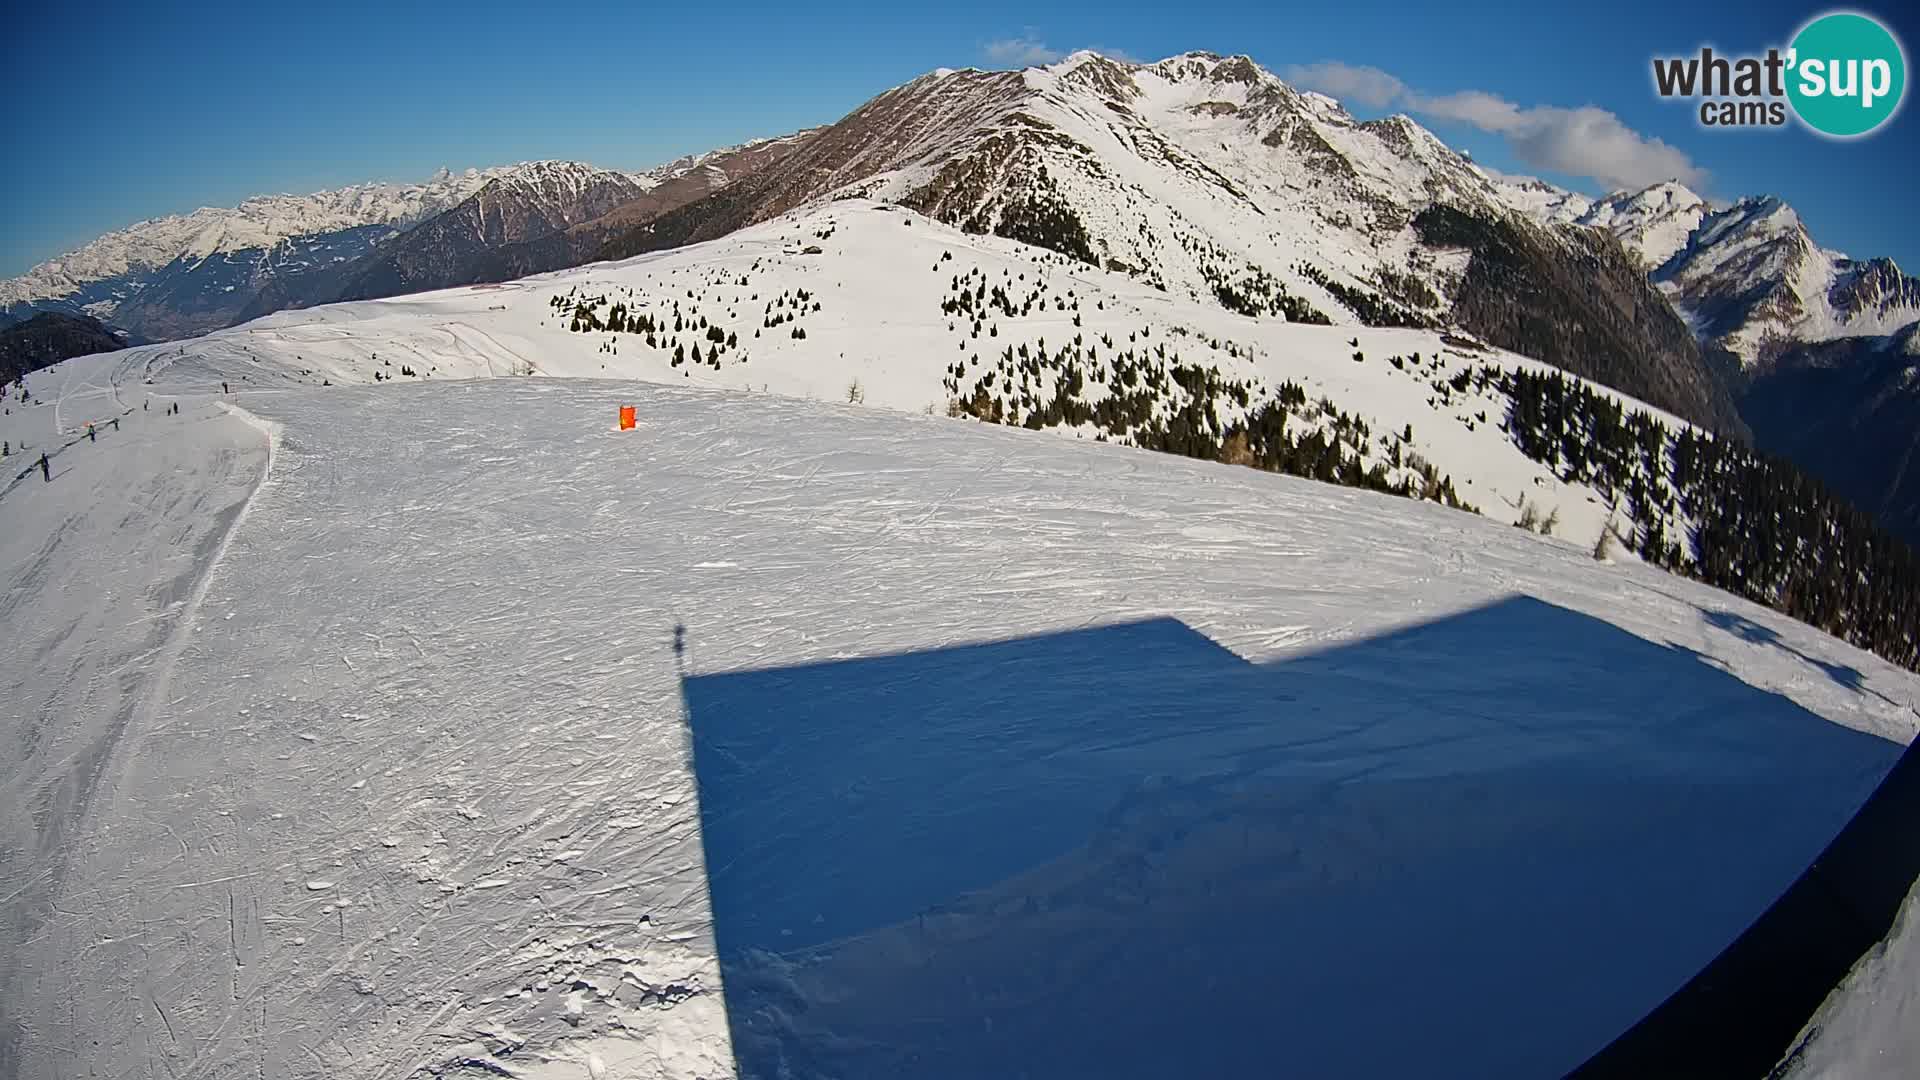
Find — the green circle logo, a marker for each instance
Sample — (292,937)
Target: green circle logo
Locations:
(1848,74)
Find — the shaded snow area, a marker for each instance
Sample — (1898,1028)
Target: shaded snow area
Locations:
(441,729)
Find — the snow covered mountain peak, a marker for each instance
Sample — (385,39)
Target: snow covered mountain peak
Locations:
(556,181)
(1546,203)
(1752,280)
(1753,216)
(1666,197)
(1748,276)
(1211,67)
(1200,76)
(1651,223)
(1076,58)
(1198,172)
(552,168)
(1670,193)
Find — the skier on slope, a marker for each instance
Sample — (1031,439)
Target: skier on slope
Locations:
(90,435)
(46,472)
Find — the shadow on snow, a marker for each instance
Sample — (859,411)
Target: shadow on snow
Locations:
(1480,846)
(1747,630)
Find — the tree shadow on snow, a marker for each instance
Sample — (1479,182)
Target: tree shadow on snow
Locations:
(1755,633)
(1480,846)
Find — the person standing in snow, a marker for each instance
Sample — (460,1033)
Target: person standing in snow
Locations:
(90,435)
(46,472)
(223,388)
(116,423)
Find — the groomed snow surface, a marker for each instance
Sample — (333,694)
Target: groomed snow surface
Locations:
(441,728)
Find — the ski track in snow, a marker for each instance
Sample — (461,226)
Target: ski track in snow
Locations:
(141,516)
(397,775)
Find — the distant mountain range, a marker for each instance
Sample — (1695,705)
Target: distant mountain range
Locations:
(185,275)
(1205,176)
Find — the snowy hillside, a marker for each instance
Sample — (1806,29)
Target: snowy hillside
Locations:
(442,729)
(810,304)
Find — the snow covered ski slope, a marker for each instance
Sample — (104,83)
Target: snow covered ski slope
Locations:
(442,729)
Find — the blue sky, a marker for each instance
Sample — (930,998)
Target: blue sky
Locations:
(118,112)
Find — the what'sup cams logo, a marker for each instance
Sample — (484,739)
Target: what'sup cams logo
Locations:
(1843,76)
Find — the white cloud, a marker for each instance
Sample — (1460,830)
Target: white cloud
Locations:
(1026,50)
(1369,86)
(1586,141)
(1593,142)
(1488,112)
